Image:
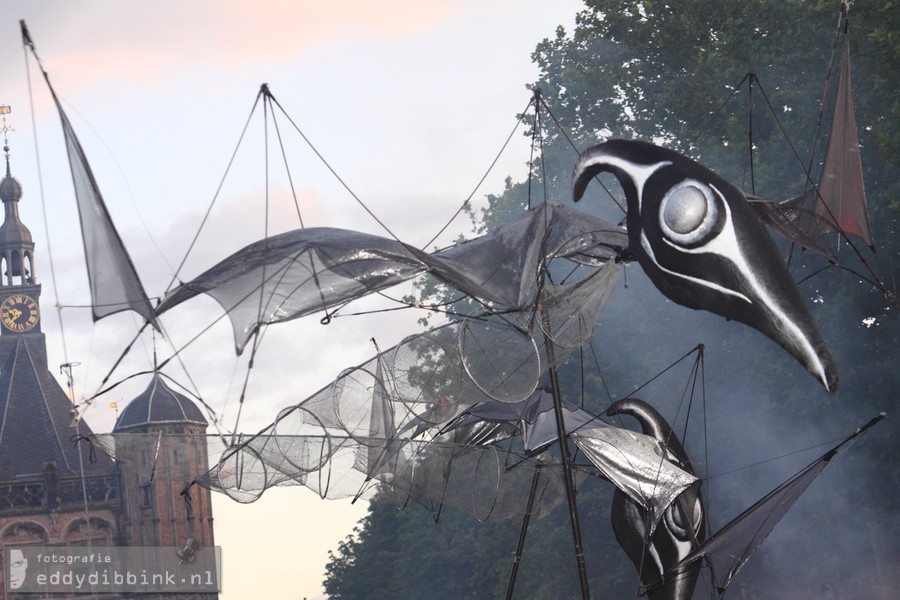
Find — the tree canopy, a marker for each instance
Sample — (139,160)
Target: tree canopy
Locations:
(677,73)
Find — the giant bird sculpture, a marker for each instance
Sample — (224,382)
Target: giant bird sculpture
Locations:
(682,528)
(702,245)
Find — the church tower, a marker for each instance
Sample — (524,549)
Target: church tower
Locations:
(56,488)
(52,492)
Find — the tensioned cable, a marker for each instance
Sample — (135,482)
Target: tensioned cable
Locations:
(577,151)
(705,490)
(257,339)
(263,300)
(196,393)
(599,371)
(265,178)
(664,371)
(287,170)
(535,131)
(216,195)
(176,355)
(134,203)
(716,114)
(688,393)
(774,458)
(328,165)
(434,309)
(260,329)
(67,369)
(196,396)
(407,304)
(543,154)
(29,45)
(632,393)
(210,411)
(483,177)
(750,132)
(336,312)
(544,271)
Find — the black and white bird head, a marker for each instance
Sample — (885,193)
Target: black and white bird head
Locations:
(702,245)
(658,556)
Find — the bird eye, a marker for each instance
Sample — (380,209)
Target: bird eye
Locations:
(688,213)
(675,522)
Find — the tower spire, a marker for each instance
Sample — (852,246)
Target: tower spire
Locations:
(5,109)
(19,290)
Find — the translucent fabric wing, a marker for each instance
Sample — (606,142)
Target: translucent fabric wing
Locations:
(307,270)
(796,220)
(731,547)
(839,201)
(297,273)
(114,283)
(842,190)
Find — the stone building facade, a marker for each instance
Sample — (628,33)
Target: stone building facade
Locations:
(58,489)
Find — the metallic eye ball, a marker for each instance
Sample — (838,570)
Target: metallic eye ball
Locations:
(688,212)
(674,521)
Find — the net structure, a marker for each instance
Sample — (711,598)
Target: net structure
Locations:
(462,464)
(454,415)
(404,419)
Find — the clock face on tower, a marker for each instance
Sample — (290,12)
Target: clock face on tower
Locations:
(19,313)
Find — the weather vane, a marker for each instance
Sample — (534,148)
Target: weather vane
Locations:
(5,110)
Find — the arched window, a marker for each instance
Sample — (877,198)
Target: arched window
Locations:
(96,529)
(24,533)
(5,275)
(15,267)
(28,274)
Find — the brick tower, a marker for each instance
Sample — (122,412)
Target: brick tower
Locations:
(161,448)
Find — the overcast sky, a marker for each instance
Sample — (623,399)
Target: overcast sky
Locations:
(408,101)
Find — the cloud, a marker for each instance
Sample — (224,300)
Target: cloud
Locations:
(140,44)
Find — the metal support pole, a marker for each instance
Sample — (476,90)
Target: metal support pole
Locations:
(568,480)
(525,521)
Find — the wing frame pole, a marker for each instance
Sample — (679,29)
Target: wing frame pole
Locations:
(568,480)
(520,546)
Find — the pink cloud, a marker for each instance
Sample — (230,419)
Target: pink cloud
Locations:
(140,42)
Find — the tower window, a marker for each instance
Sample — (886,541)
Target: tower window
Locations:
(147,495)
